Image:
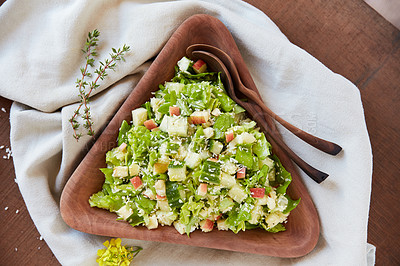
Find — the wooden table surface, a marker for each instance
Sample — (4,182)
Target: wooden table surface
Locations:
(348,37)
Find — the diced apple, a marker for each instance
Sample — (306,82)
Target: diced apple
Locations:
(262,201)
(216,112)
(174,86)
(160,168)
(208,132)
(163,205)
(174,110)
(237,193)
(217,216)
(229,167)
(216,147)
(180,227)
(221,225)
(177,126)
(241,173)
(139,115)
(257,192)
(124,212)
(120,171)
(248,138)
(164,123)
(192,160)
(150,124)
(227,180)
(200,117)
(177,174)
(271,200)
(202,189)
(152,223)
(166,218)
(256,213)
(275,218)
(199,66)
(133,169)
(184,64)
(122,147)
(207,225)
(160,188)
(229,136)
(136,182)
(148,193)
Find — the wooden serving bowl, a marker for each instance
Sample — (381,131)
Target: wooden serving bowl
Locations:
(303,226)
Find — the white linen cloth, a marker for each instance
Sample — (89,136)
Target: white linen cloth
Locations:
(40,48)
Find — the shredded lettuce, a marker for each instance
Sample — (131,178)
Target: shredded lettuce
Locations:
(207,164)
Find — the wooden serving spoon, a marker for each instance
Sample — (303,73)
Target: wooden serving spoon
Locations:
(321,144)
(218,66)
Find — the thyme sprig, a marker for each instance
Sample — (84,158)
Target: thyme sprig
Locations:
(81,84)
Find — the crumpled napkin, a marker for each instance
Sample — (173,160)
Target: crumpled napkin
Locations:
(40,46)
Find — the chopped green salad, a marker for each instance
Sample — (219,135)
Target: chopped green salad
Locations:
(191,158)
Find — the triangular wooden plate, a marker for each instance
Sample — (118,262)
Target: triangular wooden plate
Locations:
(303,227)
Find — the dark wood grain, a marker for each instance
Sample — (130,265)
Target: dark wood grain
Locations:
(348,37)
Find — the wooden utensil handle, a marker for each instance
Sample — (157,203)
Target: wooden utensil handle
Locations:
(258,115)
